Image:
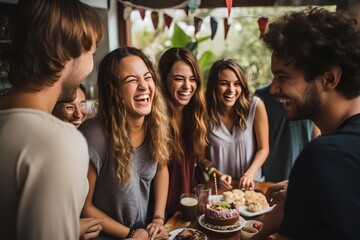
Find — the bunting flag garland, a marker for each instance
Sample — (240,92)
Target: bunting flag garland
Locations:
(142,13)
(127,12)
(226,27)
(214,25)
(263,21)
(197,24)
(168,20)
(198,17)
(155,19)
(229,6)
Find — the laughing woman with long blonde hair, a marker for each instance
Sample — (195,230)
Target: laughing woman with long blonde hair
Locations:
(128,148)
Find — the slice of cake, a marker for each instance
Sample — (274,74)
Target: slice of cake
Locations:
(221,213)
(190,234)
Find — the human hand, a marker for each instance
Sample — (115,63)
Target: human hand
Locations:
(276,193)
(247,182)
(225,182)
(90,227)
(157,231)
(140,234)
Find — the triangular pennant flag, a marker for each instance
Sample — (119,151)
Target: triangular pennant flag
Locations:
(226,27)
(197,24)
(142,13)
(127,11)
(155,19)
(214,25)
(187,10)
(229,6)
(193,4)
(263,21)
(168,20)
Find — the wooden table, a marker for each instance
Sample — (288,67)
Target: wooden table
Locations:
(175,222)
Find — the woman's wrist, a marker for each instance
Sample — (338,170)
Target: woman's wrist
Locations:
(249,175)
(131,233)
(158,219)
(209,171)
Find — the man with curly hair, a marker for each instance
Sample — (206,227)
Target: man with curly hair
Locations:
(316,67)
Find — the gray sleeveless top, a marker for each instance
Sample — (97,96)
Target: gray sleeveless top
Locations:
(127,203)
(233,153)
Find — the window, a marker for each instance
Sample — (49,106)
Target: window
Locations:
(242,42)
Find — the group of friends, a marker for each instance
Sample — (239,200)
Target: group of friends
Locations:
(157,126)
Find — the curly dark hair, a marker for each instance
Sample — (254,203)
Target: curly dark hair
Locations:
(316,39)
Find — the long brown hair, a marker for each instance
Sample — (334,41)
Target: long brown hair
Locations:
(194,114)
(242,105)
(113,114)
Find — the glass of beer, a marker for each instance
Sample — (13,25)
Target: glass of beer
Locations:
(189,204)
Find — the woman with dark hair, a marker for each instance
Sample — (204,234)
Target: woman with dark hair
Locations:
(238,126)
(182,85)
(128,147)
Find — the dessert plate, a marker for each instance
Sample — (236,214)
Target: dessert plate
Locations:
(246,213)
(243,209)
(177,231)
(207,226)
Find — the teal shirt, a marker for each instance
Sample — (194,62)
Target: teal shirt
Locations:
(287,138)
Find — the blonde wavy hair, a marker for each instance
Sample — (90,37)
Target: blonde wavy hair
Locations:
(194,139)
(113,114)
(242,105)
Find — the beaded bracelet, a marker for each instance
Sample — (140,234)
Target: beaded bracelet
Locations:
(131,233)
(158,217)
(210,171)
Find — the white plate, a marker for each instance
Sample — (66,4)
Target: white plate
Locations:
(246,213)
(242,209)
(177,231)
(242,224)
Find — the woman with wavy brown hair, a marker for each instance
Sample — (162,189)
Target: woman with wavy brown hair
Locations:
(182,85)
(238,128)
(128,147)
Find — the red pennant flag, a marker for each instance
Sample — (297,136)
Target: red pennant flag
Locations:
(168,20)
(229,6)
(155,19)
(197,24)
(142,13)
(263,21)
(214,25)
(226,27)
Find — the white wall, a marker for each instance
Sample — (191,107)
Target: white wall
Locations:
(109,43)
(96,3)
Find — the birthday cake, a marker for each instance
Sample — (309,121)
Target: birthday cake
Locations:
(221,213)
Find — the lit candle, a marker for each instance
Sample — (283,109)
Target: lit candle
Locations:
(215,183)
